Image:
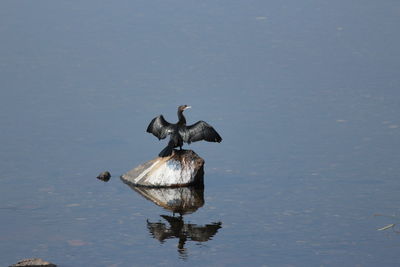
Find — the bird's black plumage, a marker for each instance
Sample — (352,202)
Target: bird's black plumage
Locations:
(180,133)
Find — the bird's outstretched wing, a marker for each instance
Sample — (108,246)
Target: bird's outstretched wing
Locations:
(159,127)
(201,130)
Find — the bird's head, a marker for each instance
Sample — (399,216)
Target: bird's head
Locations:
(183,107)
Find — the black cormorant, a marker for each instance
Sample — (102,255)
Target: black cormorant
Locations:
(180,133)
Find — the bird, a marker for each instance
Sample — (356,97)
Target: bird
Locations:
(180,133)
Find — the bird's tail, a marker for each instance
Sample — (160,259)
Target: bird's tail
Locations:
(167,151)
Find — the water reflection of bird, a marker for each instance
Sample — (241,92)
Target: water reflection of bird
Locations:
(182,231)
(180,133)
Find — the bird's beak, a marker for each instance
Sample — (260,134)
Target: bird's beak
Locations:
(188,107)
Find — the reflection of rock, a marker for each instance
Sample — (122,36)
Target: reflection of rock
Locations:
(183,231)
(180,200)
(182,168)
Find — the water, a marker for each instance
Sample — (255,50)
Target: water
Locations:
(304,94)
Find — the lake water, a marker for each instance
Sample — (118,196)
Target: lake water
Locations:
(305,94)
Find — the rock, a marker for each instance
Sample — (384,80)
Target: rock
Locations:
(34,262)
(182,200)
(104,176)
(182,168)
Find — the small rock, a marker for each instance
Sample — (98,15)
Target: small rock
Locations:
(104,176)
(34,262)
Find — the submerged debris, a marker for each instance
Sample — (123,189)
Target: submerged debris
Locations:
(386,227)
(104,176)
(391,225)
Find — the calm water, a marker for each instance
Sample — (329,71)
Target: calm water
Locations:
(306,95)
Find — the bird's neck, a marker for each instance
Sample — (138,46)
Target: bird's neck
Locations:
(182,120)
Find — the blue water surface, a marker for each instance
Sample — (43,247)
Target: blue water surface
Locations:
(305,94)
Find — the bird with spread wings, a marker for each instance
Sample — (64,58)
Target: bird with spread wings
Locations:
(180,133)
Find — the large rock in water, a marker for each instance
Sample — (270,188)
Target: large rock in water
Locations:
(182,168)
